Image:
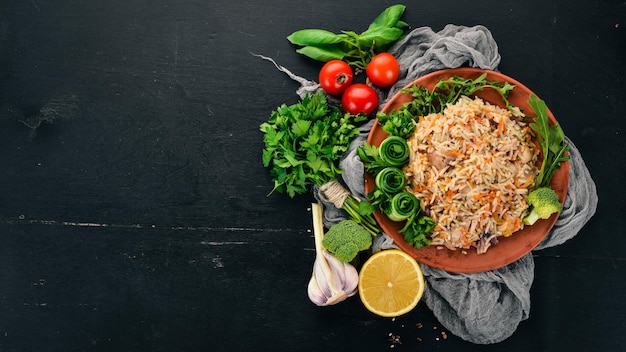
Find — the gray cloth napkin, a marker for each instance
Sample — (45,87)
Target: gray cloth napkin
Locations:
(486,307)
(424,51)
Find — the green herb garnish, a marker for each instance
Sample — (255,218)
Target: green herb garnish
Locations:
(400,122)
(551,140)
(304,142)
(354,48)
(416,230)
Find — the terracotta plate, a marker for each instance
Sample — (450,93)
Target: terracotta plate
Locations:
(508,249)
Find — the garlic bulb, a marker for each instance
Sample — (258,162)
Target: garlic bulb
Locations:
(333,280)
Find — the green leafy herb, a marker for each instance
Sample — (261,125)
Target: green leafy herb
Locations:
(303,145)
(551,140)
(448,91)
(355,48)
(398,122)
(457,86)
(416,230)
(401,122)
(389,18)
(370,157)
(304,142)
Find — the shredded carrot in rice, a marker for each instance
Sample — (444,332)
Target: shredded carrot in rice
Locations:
(472,167)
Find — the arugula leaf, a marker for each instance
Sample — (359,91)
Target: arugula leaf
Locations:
(400,121)
(551,139)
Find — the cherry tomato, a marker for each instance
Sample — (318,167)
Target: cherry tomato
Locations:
(335,76)
(358,98)
(383,70)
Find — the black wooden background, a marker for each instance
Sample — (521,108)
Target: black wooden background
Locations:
(134,211)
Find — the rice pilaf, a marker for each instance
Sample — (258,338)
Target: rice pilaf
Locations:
(472,167)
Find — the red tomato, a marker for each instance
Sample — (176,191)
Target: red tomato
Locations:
(383,70)
(335,76)
(358,98)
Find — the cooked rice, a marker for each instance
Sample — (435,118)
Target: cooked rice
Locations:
(472,167)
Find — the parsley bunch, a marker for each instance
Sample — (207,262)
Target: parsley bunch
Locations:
(304,142)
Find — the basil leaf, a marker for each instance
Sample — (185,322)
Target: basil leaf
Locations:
(402,24)
(322,53)
(350,34)
(380,36)
(349,46)
(314,37)
(389,17)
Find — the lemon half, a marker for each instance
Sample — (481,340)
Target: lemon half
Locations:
(391,283)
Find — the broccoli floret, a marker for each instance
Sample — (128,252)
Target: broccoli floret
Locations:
(346,239)
(543,202)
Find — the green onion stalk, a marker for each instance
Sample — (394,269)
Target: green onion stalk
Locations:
(352,207)
(358,210)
